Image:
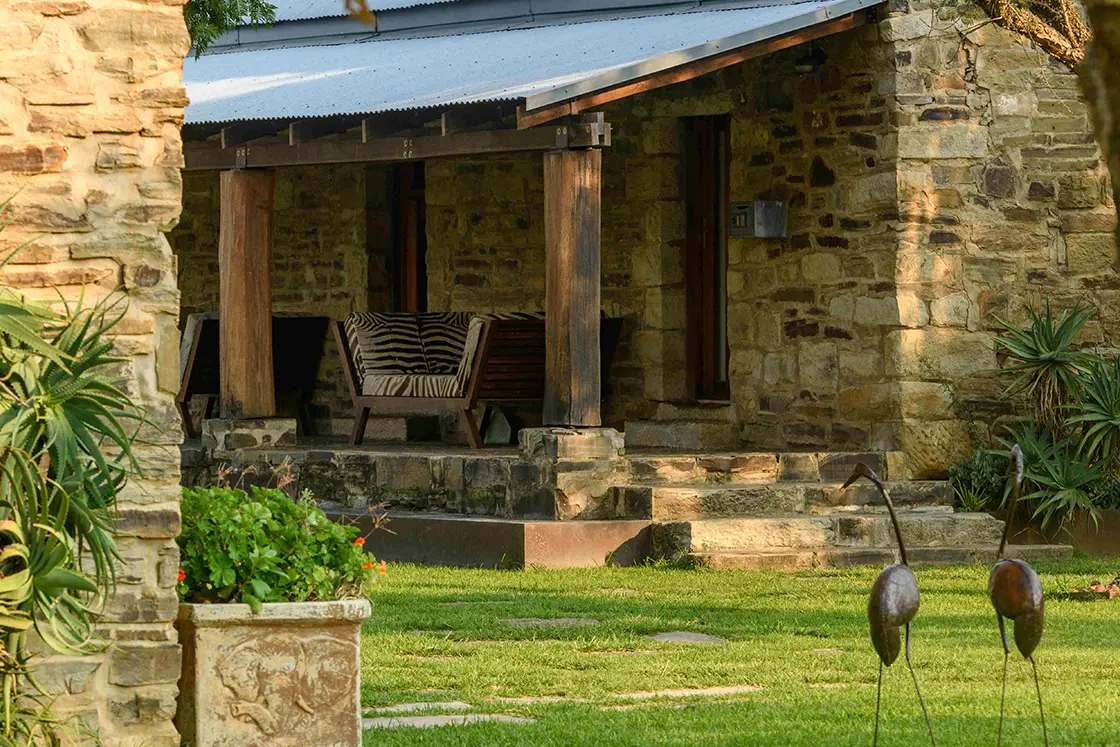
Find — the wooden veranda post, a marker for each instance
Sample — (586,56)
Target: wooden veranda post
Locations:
(571,228)
(245,303)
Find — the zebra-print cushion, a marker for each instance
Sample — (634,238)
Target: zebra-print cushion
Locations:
(425,343)
(426,354)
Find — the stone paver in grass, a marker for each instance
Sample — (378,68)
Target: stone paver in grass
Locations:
(685,636)
(421,657)
(551,622)
(470,602)
(827,651)
(621,653)
(427,722)
(690,692)
(535,699)
(454,705)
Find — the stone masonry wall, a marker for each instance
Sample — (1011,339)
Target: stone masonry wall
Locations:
(798,347)
(320,257)
(1004,202)
(91,102)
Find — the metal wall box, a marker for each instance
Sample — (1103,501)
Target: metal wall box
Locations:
(758,219)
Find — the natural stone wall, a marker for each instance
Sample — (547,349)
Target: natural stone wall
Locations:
(321,257)
(1004,201)
(91,102)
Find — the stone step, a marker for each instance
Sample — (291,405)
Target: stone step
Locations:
(832,557)
(677,434)
(728,500)
(748,467)
(920,528)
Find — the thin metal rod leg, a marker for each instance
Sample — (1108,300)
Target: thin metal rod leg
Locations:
(878,699)
(1003,690)
(1038,689)
(914,675)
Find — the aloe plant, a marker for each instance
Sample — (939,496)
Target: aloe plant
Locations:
(1060,480)
(1097,412)
(1043,359)
(65,452)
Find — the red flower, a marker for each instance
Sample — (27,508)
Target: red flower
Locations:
(182,575)
(368,566)
(360,541)
(382,570)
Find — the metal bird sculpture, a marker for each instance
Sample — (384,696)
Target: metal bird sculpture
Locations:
(1016,594)
(893,604)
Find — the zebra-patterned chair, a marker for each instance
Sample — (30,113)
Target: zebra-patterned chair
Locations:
(417,363)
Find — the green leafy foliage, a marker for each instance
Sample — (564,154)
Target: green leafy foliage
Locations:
(264,547)
(1097,412)
(1059,480)
(1105,492)
(979,481)
(209,19)
(1044,361)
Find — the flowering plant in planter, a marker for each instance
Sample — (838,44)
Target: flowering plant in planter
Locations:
(274,597)
(263,547)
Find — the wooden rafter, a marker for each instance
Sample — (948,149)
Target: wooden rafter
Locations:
(688,71)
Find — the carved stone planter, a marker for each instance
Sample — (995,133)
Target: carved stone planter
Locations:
(287,676)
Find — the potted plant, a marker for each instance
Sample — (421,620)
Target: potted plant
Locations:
(274,595)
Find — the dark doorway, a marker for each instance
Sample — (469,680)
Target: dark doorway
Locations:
(708,149)
(410,244)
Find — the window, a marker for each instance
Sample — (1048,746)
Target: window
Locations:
(707,148)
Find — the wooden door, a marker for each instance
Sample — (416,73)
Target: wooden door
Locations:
(708,150)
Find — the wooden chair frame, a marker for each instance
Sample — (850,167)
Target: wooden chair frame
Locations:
(508,369)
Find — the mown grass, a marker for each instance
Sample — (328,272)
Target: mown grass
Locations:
(800,637)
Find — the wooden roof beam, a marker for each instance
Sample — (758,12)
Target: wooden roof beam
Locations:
(688,71)
(206,156)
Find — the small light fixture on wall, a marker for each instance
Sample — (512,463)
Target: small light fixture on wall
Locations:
(811,61)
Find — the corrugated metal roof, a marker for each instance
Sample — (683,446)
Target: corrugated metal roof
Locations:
(299,10)
(542,65)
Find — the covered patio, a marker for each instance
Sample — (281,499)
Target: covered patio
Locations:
(698,177)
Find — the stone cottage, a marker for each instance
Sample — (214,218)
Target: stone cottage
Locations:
(91,102)
(934,172)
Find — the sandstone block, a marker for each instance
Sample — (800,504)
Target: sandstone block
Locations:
(1079,190)
(148,705)
(144,664)
(818,364)
(1090,252)
(925,400)
(955,354)
(869,402)
(32,159)
(821,267)
(906,26)
(943,141)
(932,446)
(950,310)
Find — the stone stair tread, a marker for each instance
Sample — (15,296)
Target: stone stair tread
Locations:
(806,558)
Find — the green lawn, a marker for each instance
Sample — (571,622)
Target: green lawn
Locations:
(801,638)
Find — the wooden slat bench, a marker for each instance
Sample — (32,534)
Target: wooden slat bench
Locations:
(508,369)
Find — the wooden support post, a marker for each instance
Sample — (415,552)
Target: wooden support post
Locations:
(571,237)
(245,287)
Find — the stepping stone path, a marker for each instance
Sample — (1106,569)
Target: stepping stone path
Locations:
(534,699)
(423,722)
(454,705)
(470,602)
(827,651)
(551,622)
(684,636)
(690,692)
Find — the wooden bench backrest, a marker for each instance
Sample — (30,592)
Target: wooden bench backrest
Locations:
(510,362)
